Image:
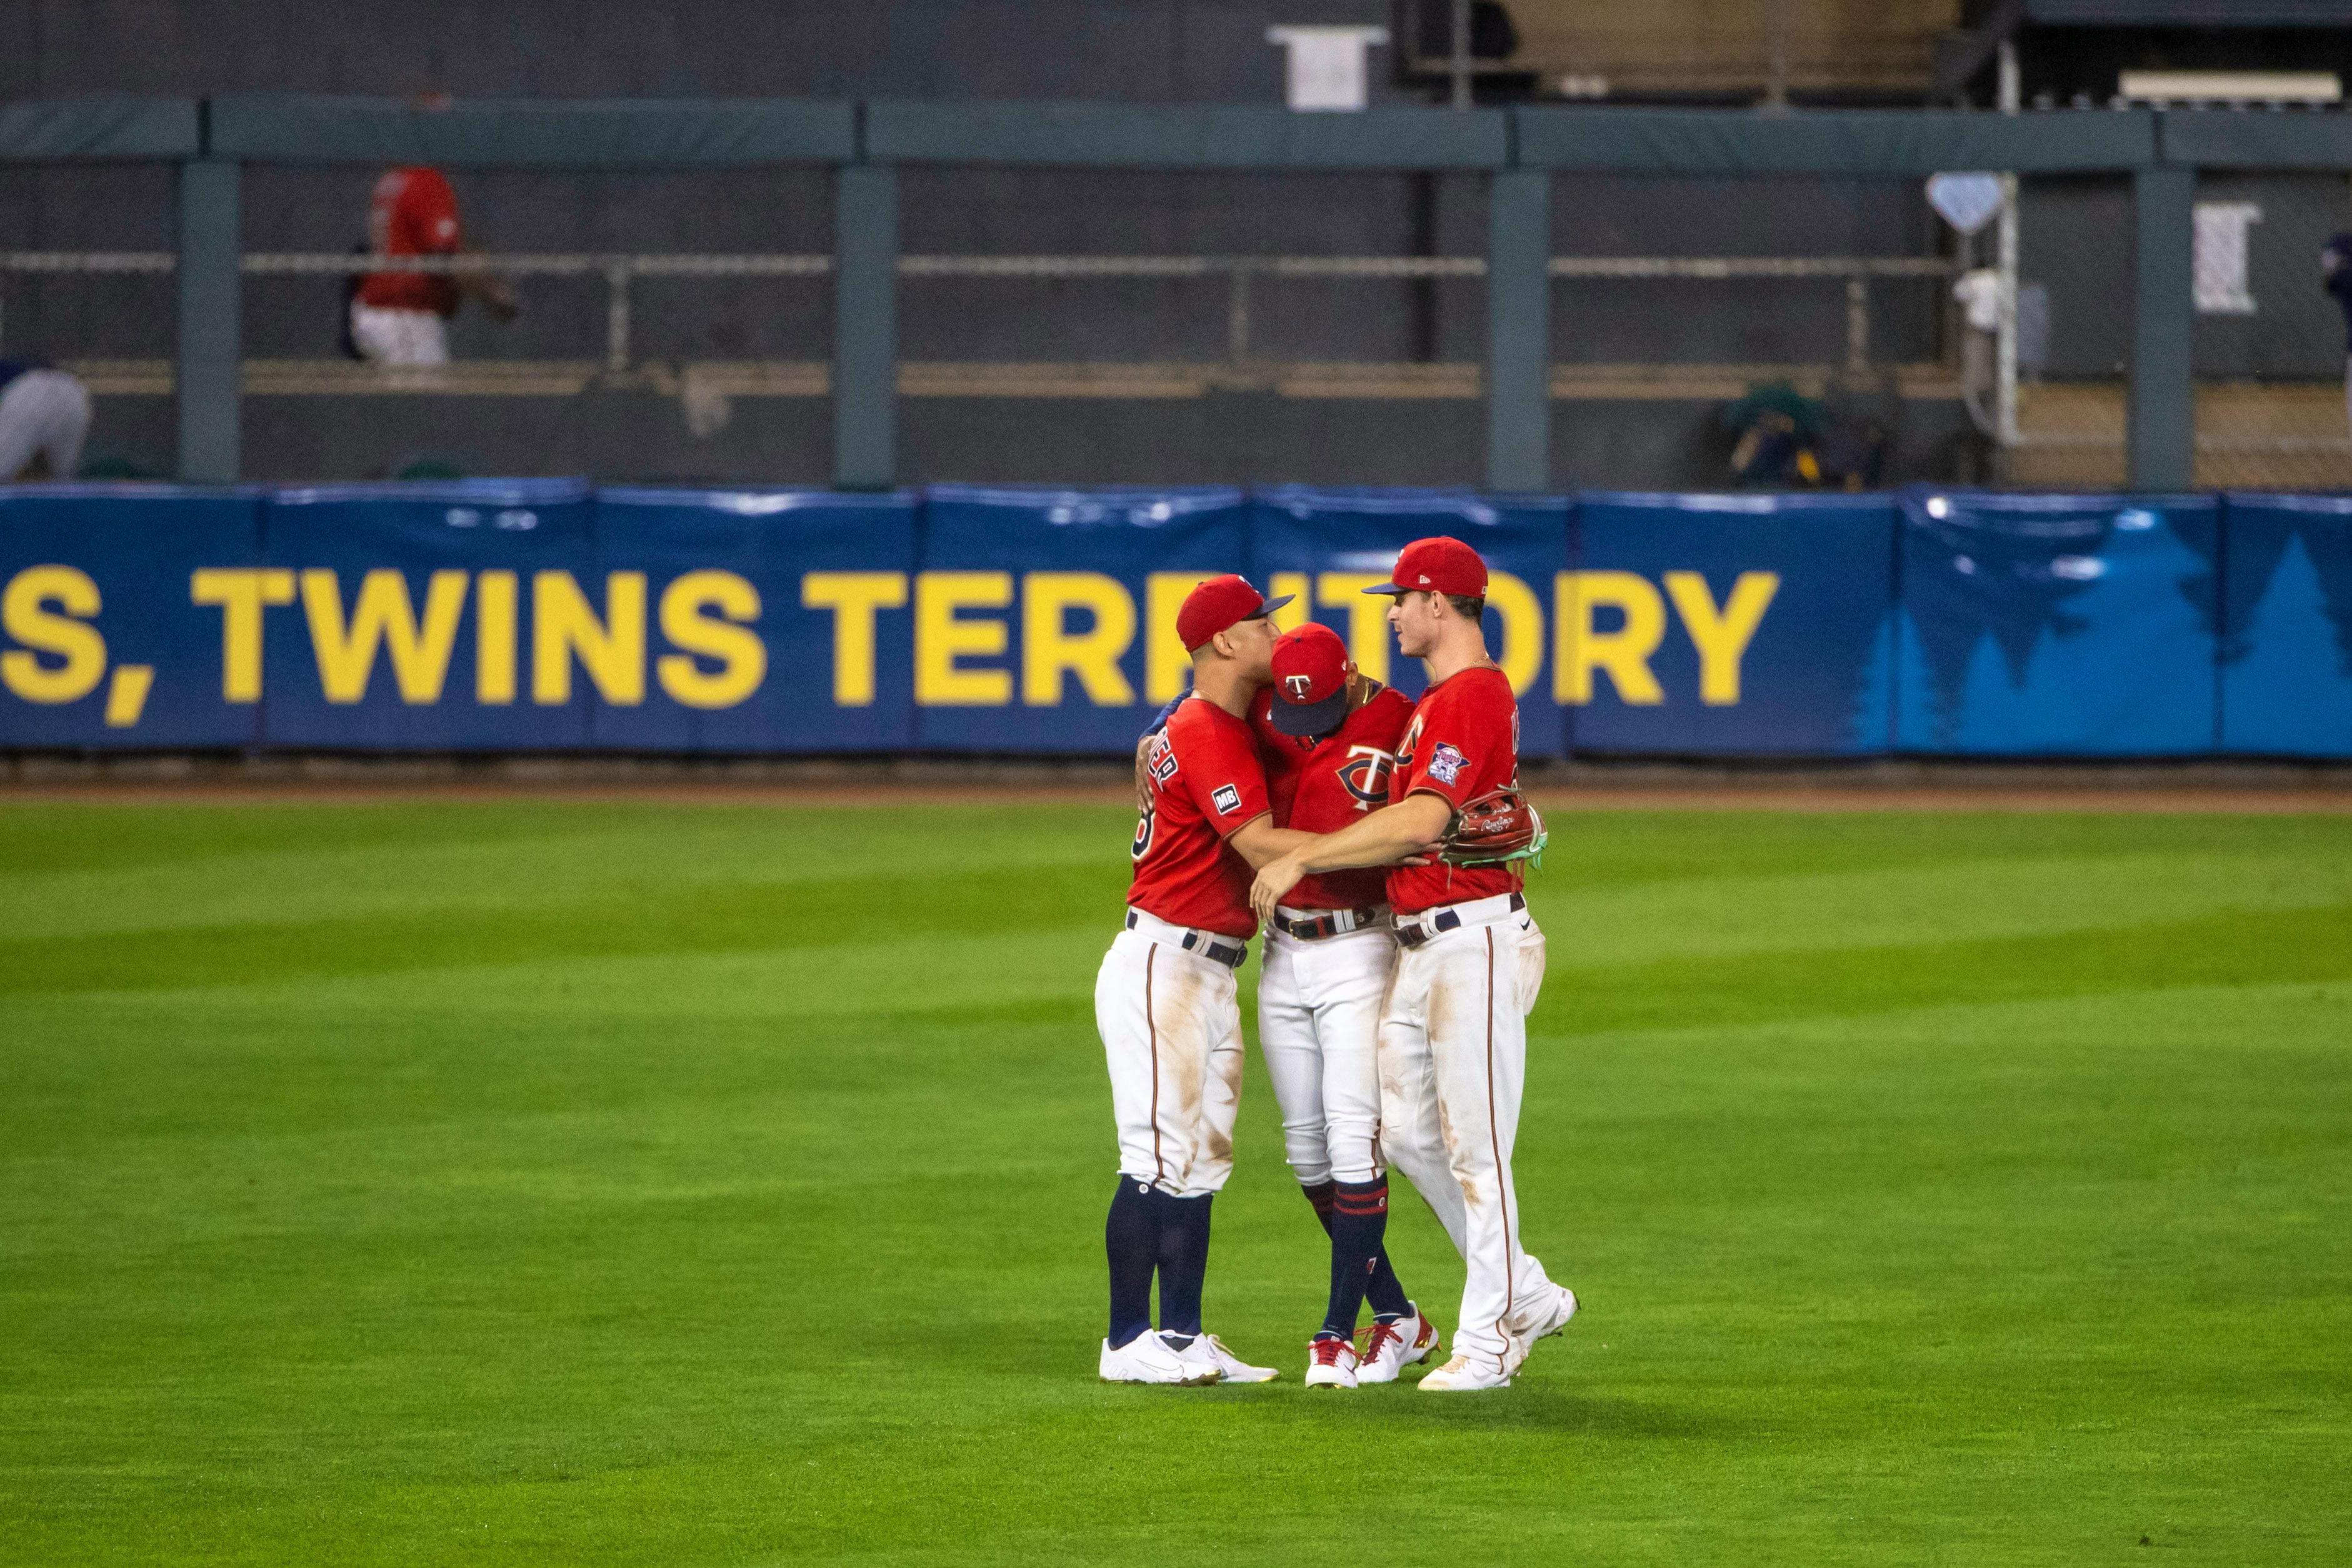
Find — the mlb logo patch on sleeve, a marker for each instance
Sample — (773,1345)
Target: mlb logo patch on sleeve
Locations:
(1226,798)
(1445,764)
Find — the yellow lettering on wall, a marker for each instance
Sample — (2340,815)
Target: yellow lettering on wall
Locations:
(855,597)
(1368,616)
(1294,586)
(1167,662)
(942,637)
(1050,650)
(383,615)
(241,594)
(494,597)
(742,657)
(1721,637)
(1624,651)
(1523,629)
(64,634)
(126,694)
(612,650)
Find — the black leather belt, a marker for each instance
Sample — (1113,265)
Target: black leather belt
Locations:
(1324,925)
(1229,954)
(1413,932)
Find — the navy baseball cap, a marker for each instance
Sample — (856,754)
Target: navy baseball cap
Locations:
(1310,681)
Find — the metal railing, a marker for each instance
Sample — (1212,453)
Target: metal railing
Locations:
(621,270)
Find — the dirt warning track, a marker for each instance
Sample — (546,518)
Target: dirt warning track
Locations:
(1592,787)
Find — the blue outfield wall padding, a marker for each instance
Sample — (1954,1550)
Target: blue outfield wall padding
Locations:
(467,616)
(1326,546)
(1044,619)
(1729,625)
(540,615)
(2286,625)
(2057,625)
(104,639)
(777,620)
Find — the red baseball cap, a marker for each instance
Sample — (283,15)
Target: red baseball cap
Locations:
(1441,565)
(1218,604)
(1310,681)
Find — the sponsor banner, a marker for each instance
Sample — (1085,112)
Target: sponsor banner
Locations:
(1044,620)
(1325,547)
(2058,625)
(1728,625)
(115,621)
(2286,643)
(441,617)
(765,620)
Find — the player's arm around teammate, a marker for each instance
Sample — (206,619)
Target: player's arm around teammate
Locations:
(1454,1036)
(1165,998)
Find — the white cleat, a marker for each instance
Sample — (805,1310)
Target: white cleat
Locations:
(1330,1364)
(1146,1358)
(1463,1375)
(1545,1323)
(1392,1348)
(1208,1353)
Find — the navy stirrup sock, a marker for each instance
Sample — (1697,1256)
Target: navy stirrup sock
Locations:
(1131,1237)
(1183,1260)
(1359,1217)
(1384,1290)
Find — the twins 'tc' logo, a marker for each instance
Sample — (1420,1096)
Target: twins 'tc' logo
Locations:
(1299,687)
(1365,775)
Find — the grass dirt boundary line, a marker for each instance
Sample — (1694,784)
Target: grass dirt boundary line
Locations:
(2099,787)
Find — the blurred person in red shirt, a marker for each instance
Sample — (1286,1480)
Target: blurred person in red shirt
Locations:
(402,317)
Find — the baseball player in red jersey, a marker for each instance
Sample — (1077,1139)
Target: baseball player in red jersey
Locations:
(1328,734)
(1453,1041)
(402,317)
(1165,998)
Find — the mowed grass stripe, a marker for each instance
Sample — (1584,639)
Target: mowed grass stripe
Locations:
(1030,966)
(518,859)
(662,917)
(171,867)
(1682,993)
(1590,927)
(1703,917)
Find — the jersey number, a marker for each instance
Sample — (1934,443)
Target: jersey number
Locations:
(1145,826)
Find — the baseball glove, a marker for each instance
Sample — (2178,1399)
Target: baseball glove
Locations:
(1496,828)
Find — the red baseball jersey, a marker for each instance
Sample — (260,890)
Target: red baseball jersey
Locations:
(413,212)
(1206,782)
(1321,786)
(1463,742)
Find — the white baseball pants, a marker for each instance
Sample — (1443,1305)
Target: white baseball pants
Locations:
(1453,1061)
(44,412)
(1171,1034)
(407,338)
(1319,1020)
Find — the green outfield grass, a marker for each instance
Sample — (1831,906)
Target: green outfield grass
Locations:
(697,1184)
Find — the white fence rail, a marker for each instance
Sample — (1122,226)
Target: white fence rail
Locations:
(620,271)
